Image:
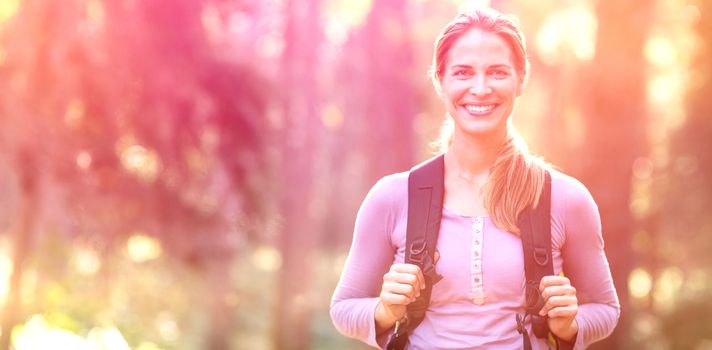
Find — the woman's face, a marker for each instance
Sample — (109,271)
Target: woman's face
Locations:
(479,84)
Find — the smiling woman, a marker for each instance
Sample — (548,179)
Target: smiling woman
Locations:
(466,284)
(479,84)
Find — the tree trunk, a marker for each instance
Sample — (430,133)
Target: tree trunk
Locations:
(391,104)
(615,135)
(300,134)
(22,238)
(219,308)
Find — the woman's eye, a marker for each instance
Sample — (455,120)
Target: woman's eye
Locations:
(498,73)
(462,73)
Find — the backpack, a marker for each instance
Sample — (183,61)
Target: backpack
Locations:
(425,204)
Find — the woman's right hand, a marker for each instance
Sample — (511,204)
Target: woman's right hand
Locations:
(401,286)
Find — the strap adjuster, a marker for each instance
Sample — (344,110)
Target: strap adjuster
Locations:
(520,324)
(418,251)
(420,256)
(541,256)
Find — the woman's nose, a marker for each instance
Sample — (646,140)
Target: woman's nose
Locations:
(480,87)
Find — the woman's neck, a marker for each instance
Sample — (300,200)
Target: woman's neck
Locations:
(471,157)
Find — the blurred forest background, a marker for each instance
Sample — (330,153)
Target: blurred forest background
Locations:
(185,174)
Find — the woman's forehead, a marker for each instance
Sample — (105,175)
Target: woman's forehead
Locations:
(478,47)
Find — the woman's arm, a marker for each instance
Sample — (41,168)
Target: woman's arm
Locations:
(356,298)
(586,266)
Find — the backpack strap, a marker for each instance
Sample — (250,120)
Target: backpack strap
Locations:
(535,226)
(425,204)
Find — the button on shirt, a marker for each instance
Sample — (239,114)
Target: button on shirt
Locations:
(477,293)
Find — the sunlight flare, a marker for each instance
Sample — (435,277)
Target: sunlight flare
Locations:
(570,31)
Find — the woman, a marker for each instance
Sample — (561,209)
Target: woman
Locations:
(480,67)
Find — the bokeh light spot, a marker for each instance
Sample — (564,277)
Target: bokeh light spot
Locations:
(95,11)
(108,338)
(470,5)
(8,8)
(143,248)
(267,258)
(663,90)
(332,117)
(167,326)
(643,168)
(270,46)
(212,24)
(571,31)
(5,272)
(148,346)
(350,13)
(660,51)
(74,114)
(84,160)
(691,14)
(141,162)
(38,334)
(86,261)
(639,283)
(666,288)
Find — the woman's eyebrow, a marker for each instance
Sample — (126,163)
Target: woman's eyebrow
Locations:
(506,66)
(496,65)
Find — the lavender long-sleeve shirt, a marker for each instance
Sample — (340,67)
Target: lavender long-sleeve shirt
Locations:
(475,304)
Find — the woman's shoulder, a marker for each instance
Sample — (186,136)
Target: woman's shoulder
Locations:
(562,181)
(568,193)
(391,188)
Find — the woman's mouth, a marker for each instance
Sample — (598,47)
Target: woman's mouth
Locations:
(479,109)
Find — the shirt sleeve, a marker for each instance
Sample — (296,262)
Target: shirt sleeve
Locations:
(585,264)
(356,296)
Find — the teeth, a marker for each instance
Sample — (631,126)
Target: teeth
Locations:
(479,109)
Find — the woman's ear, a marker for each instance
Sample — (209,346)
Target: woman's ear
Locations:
(439,89)
(520,87)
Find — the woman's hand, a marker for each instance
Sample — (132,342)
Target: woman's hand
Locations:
(561,306)
(401,286)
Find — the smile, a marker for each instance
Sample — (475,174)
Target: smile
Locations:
(480,109)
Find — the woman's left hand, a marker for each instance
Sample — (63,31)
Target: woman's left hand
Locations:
(560,305)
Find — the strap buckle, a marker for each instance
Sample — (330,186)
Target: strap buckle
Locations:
(541,256)
(419,255)
(520,324)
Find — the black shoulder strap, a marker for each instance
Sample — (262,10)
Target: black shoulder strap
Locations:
(535,227)
(425,204)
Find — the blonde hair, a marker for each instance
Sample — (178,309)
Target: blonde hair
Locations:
(516,181)
(517,177)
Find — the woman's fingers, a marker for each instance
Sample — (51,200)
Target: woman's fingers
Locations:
(557,302)
(559,296)
(548,281)
(400,288)
(402,284)
(558,290)
(390,298)
(407,273)
(563,311)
